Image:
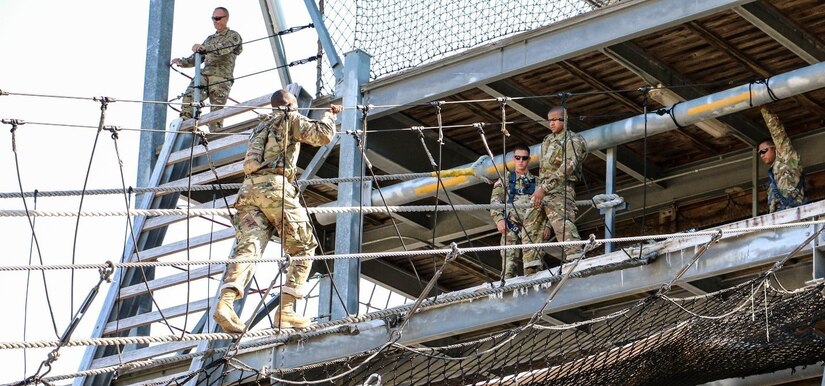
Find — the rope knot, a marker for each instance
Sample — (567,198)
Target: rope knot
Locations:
(480,127)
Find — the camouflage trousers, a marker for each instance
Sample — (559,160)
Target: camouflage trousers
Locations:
(267,204)
(530,232)
(560,209)
(214,87)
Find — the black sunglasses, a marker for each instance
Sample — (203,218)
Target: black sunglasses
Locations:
(216,18)
(765,150)
(521,157)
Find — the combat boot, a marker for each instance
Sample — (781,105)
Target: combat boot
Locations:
(286,317)
(225,312)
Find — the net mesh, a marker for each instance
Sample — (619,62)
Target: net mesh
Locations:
(753,328)
(402,34)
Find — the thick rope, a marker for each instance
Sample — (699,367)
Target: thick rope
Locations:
(194,212)
(374,255)
(234,186)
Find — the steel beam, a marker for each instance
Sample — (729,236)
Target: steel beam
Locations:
(627,161)
(273,14)
(326,43)
(732,253)
(654,72)
(610,188)
(521,53)
(155,85)
(715,105)
(790,35)
(348,226)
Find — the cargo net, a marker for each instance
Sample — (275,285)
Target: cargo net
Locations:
(402,34)
(752,328)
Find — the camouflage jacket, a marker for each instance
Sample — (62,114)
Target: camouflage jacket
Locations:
(785,186)
(276,142)
(560,160)
(521,193)
(221,50)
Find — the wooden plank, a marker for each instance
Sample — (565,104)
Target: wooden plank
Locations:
(227,112)
(155,316)
(197,241)
(218,144)
(171,280)
(141,354)
(161,221)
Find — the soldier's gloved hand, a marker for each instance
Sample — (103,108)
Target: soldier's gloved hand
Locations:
(501,226)
(335,109)
(537,197)
(251,166)
(197,48)
(546,235)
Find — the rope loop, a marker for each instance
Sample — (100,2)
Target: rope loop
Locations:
(284,265)
(104,101)
(114,130)
(454,252)
(373,380)
(107,271)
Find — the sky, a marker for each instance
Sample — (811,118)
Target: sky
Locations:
(86,49)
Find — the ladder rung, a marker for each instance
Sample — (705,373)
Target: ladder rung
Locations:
(141,354)
(200,150)
(153,254)
(161,221)
(155,316)
(171,280)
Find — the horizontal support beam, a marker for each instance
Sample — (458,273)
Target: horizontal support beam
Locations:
(534,49)
(773,23)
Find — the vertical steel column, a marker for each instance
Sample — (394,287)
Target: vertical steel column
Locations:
(326,41)
(755,179)
(155,84)
(349,225)
(196,95)
(818,256)
(610,188)
(325,299)
(274,21)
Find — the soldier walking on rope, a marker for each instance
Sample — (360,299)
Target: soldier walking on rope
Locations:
(786,182)
(519,187)
(220,50)
(562,153)
(268,202)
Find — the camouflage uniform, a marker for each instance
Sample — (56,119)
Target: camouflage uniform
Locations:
(786,183)
(519,231)
(216,78)
(268,201)
(561,157)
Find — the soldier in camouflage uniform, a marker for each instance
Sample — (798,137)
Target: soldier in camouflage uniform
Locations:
(519,185)
(562,153)
(220,49)
(268,202)
(786,183)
